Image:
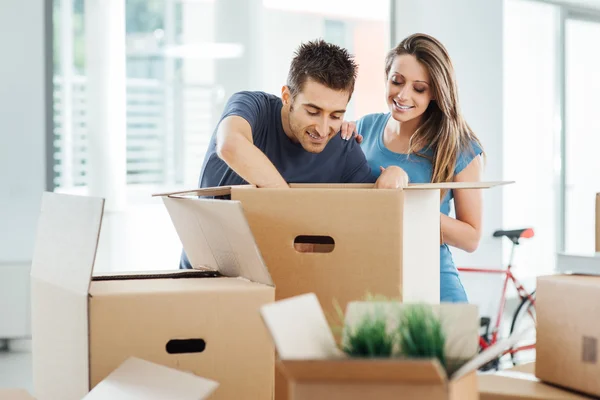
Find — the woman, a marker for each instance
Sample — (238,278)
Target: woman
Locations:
(425,134)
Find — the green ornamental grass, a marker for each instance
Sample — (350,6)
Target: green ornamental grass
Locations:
(418,334)
(370,338)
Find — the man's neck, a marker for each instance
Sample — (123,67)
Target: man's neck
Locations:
(285,122)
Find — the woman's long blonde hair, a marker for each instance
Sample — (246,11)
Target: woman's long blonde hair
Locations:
(443,130)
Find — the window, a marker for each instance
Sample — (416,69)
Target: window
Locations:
(531,139)
(183,59)
(582,164)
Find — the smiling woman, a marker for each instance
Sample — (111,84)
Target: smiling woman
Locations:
(425,134)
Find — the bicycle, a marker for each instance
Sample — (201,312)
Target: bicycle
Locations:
(525,313)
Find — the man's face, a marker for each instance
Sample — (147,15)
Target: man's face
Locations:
(315,115)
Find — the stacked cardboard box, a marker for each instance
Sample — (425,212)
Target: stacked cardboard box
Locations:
(206,321)
(198,321)
(568,332)
(568,328)
(384,242)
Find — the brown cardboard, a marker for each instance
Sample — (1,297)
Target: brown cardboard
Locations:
(317,369)
(568,332)
(83,330)
(138,379)
(15,394)
(597,222)
(371,251)
(513,385)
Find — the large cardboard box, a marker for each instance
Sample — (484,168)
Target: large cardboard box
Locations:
(206,321)
(568,332)
(316,369)
(368,240)
(520,383)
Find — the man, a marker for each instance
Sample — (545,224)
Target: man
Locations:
(270,141)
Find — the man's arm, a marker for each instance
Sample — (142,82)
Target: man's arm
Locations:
(392,177)
(236,147)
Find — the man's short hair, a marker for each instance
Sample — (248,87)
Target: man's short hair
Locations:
(325,63)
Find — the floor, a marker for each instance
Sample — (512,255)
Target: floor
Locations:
(15,365)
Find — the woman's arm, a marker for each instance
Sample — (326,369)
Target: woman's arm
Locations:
(464,232)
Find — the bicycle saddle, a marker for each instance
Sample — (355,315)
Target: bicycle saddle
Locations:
(515,234)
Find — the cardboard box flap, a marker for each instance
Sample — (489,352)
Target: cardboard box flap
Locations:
(457,185)
(460,322)
(489,354)
(66,240)
(299,329)
(137,379)
(366,370)
(215,235)
(63,259)
(208,192)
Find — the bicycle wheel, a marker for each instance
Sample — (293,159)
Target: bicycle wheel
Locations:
(524,319)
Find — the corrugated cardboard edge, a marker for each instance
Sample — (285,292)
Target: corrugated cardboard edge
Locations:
(63,260)
(354,370)
(140,379)
(209,192)
(226,190)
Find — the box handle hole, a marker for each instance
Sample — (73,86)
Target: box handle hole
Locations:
(183,346)
(314,244)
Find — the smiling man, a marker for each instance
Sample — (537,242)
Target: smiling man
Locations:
(271,141)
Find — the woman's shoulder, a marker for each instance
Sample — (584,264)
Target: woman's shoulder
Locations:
(468,152)
(372,122)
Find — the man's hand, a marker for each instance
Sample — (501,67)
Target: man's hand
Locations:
(392,178)
(348,130)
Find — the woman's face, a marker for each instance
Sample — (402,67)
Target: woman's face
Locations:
(408,88)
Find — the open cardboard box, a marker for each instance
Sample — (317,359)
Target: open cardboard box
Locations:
(374,240)
(367,240)
(520,383)
(568,332)
(317,369)
(206,321)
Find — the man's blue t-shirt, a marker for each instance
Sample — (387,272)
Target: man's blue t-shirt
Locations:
(419,170)
(340,161)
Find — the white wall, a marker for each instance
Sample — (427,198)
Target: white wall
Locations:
(22,152)
(471,30)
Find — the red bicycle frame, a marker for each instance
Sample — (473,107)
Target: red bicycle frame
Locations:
(522,292)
